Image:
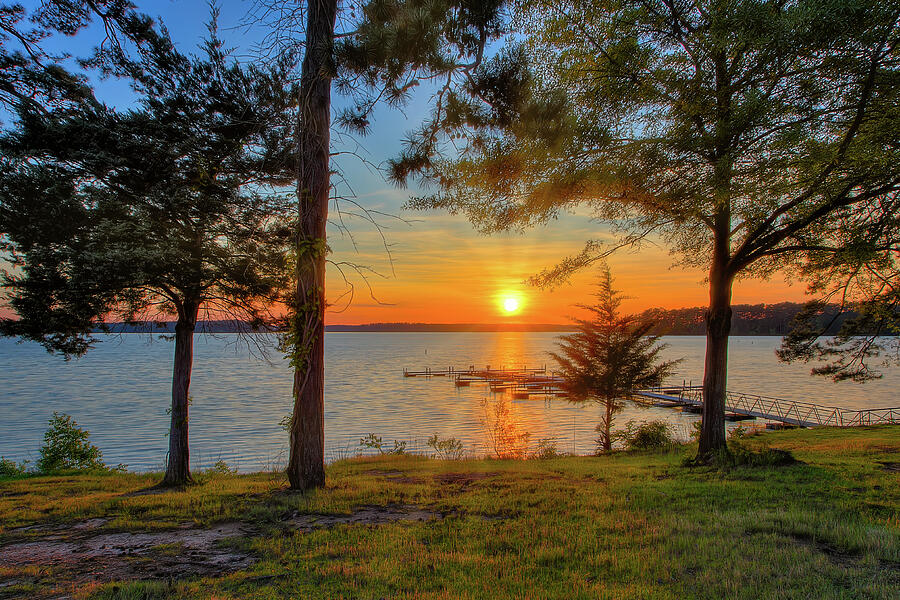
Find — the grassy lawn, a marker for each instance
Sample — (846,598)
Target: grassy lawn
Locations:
(623,526)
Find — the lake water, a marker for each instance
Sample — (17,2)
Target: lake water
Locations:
(120,392)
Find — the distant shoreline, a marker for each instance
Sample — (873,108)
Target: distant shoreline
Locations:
(748,320)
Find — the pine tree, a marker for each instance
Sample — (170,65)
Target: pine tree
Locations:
(165,209)
(372,52)
(608,356)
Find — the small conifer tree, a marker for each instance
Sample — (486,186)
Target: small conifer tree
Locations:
(608,356)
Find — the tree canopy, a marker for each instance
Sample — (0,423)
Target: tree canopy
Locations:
(749,135)
(170,208)
(30,74)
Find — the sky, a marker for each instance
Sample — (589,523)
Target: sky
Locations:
(431,266)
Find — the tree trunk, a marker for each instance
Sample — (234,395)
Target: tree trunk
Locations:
(715,376)
(607,425)
(306,463)
(178,465)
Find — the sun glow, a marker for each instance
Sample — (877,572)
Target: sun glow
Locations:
(509,302)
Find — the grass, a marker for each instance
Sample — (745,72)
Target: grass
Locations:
(630,525)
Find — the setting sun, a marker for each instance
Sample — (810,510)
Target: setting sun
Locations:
(509,303)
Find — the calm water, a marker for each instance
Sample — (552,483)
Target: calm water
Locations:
(120,392)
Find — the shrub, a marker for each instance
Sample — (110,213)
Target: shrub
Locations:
(448,449)
(9,468)
(652,435)
(504,434)
(220,467)
(546,448)
(374,441)
(66,448)
(399,448)
(696,430)
(738,433)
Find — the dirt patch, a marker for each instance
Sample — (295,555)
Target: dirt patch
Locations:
(85,552)
(893,467)
(367,515)
(462,479)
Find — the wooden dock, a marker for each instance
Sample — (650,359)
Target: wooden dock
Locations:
(526,383)
(521,383)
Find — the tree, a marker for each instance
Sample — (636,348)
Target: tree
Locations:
(164,209)
(31,75)
(750,135)
(609,356)
(372,51)
(863,275)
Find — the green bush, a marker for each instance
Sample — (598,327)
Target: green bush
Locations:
(547,448)
(66,448)
(374,441)
(738,433)
(696,429)
(9,468)
(652,435)
(222,468)
(447,449)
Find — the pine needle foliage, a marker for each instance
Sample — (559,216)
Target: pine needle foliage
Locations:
(174,207)
(751,136)
(609,355)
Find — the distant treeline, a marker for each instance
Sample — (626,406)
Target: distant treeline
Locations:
(748,319)
(242,327)
(437,327)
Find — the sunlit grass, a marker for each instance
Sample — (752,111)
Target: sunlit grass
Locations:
(623,526)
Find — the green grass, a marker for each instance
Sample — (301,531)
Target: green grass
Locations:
(623,526)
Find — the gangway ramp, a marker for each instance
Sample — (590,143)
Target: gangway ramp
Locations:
(793,412)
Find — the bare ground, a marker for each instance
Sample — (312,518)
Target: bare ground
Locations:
(86,552)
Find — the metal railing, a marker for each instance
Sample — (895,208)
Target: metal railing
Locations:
(805,414)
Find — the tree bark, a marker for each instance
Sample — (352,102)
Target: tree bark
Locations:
(607,426)
(306,463)
(718,328)
(178,465)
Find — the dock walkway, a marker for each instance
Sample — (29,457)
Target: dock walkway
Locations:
(803,414)
(524,383)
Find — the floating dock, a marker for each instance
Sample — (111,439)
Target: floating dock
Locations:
(522,383)
(526,383)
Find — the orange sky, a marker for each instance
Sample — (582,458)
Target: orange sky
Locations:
(444,272)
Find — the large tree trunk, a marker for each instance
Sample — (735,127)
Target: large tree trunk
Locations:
(306,464)
(178,465)
(718,327)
